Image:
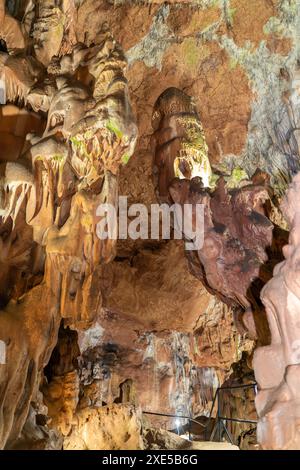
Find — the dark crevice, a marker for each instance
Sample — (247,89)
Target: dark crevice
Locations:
(65,354)
(3,46)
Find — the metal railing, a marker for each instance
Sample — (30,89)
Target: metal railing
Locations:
(221,421)
(220,426)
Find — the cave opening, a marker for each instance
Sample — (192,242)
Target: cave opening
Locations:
(64,355)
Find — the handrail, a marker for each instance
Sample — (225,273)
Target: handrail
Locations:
(219,418)
(174,416)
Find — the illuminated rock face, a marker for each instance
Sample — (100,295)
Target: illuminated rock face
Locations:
(50,194)
(236,231)
(277,366)
(179,142)
(148,330)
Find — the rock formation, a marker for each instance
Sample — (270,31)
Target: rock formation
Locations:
(110,330)
(277,365)
(54,187)
(179,143)
(232,260)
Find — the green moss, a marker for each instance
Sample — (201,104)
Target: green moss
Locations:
(237,175)
(88,135)
(213,179)
(81,146)
(233,63)
(58,158)
(76,142)
(125,158)
(273,25)
(197,142)
(192,52)
(113,127)
(231,14)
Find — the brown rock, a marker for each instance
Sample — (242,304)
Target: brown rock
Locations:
(248,19)
(117,427)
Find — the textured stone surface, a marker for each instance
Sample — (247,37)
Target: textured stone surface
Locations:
(54,186)
(161,439)
(154,281)
(117,427)
(277,365)
(158,325)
